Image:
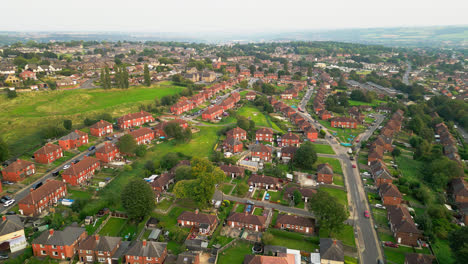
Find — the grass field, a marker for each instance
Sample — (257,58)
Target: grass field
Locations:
(346,235)
(357,103)
(113,227)
(334,163)
(23,117)
(338,180)
(293,240)
(252,113)
(397,255)
(338,194)
(235,254)
(324,149)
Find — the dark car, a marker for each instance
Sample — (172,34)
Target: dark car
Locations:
(5,199)
(3,256)
(37,185)
(76,161)
(56,173)
(91,148)
(108,138)
(10,213)
(7,183)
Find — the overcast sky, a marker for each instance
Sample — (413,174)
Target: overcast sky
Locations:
(222,15)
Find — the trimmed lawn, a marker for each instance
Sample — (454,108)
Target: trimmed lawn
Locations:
(324,149)
(274,217)
(113,227)
(346,235)
(92,228)
(409,167)
(338,180)
(350,260)
(397,255)
(334,163)
(276,196)
(76,194)
(300,205)
(240,208)
(164,204)
(27,114)
(258,211)
(386,237)
(235,254)
(338,194)
(226,188)
(294,240)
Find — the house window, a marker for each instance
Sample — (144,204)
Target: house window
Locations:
(89,258)
(54,246)
(101,259)
(43,252)
(55,253)
(148,258)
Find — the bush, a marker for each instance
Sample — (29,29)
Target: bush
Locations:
(12,94)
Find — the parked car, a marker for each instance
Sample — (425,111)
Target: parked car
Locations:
(7,183)
(380,206)
(366,214)
(267,196)
(390,244)
(3,256)
(251,188)
(108,138)
(10,213)
(354,165)
(91,148)
(37,185)
(56,173)
(249,208)
(8,203)
(5,198)
(66,166)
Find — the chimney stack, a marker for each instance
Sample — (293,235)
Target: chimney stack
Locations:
(96,237)
(4,218)
(144,242)
(196,211)
(51,232)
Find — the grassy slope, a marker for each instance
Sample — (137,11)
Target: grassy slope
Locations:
(323,149)
(22,117)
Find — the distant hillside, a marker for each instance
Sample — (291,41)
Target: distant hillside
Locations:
(440,36)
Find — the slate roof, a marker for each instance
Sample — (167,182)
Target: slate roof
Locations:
(247,218)
(60,238)
(141,132)
(132,116)
(331,249)
(259,148)
(49,187)
(47,148)
(12,223)
(107,148)
(83,164)
(74,135)
(232,169)
(152,249)
(263,179)
(100,243)
(418,258)
(401,219)
(295,220)
(324,168)
(101,124)
(389,190)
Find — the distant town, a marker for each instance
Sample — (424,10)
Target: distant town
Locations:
(189,153)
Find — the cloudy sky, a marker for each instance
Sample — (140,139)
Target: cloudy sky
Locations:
(222,15)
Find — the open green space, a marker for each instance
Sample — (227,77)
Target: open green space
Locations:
(24,116)
(276,196)
(409,167)
(357,103)
(338,194)
(93,227)
(324,149)
(293,240)
(334,163)
(164,204)
(240,208)
(113,227)
(346,235)
(338,180)
(260,119)
(397,255)
(226,188)
(443,252)
(235,254)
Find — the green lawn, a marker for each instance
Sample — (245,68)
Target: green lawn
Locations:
(357,103)
(27,114)
(397,255)
(260,119)
(258,211)
(75,194)
(338,194)
(346,235)
(324,149)
(92,228)
(113,227)
(338,180)
(443,252)
(164,204)
(276,196)
(293,240)
(409,167)
(235,254)
(226,188)
(240,208)
(334,163)
(350,260)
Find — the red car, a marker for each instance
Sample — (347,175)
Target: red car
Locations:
(354,166)
(366,214)
(390,244)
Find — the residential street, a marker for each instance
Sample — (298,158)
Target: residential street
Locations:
(367,241)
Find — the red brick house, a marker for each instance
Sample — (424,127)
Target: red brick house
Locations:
(25,75)
(232,145)
(264,134)
(181,107)
(380,173)
(325,173)
(418,258)
(375,153)
(142,135)
(390,194)
(272,76)
(212,113)
(260,152)
(205,222)
(198,99)
(108,152)
(161,183)
(248,221)
(306,193)
(237,133)
(73,140)
(101,128)
(18,170)
(402,225)
(135,119)
(459,190)
(286,95)
(310,133)
(58,244)
(259,74)
(325,115)
(82,171)
(96,248)
(228,103)
(295,223)
(40,199)
(146,252)
(344,122)
(245,73)
(232,171)
(290,139)
(266,182)
(250,96)
(287,153)
(48,153)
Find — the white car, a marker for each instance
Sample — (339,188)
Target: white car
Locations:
(8,203)
(66,167)
(251,188)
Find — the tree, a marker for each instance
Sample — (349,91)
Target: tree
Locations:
(183,173)
(305,156)
(297,197)
(169,160)
(12,94)
(242,188)
(140,151)
(138,199)
(243,123)
(4,152)
(67,124)
(458,240)
(396,152)
(267,238)
(243,84)
(127,144)
(328,211)
(147,75)
(176,131)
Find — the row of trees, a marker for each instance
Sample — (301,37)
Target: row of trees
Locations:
(120,78)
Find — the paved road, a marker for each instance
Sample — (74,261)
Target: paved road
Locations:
(278,207)
(407,72)
(25,191)
(367,241)
(463,133)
